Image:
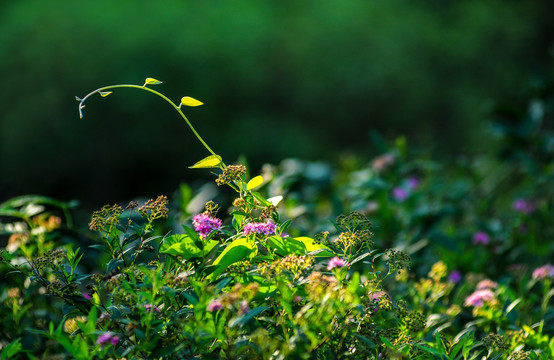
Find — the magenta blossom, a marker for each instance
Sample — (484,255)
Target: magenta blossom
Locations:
(243,308)
(413,183)
(107,338)
(479,297)
(267,228)
(481,237)
(400,194)
(151,308)
(546,271)
(335,262)
(205,224)
(523,206)
(215,305)
(87,296)
(455,276)
(486,284)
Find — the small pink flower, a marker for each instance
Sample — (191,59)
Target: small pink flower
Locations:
(243,308)
(413,183)
(151,308)
(479,297)
(455,276)
(546,271)
(205,224)
(481,237)
(400,194)
(523,206)
(335,262)
(486,284)
(87,296)
(107,338)
(267,228)
(215,305)
(114,340)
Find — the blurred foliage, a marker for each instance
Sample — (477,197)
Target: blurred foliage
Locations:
(279,79)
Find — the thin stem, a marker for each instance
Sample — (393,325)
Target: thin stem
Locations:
(81,106)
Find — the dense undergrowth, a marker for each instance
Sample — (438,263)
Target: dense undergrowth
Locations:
(402,257)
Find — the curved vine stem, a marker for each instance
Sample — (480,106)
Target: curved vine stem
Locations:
(178,108)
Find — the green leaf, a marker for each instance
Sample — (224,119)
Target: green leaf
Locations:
(180,245)
(212,161)
(242,320)
(113,264)
(104,93)
(260,198)
(275,200)
(286,246)
(151,81)
(188,101)
(11,349)
(237,250)
(254,183)
(311,246)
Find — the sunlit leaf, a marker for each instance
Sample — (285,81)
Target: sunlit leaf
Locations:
(188,101)
(151,81)
(78,98)
(275,200)
(211,161)
(236,251)
(105,93)
(254,183)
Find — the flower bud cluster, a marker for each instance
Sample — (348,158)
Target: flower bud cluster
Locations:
(105,218)
(231,173)
(155,209)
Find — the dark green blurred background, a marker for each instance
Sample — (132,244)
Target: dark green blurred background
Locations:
(308,79)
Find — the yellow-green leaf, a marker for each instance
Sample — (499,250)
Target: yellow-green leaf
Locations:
(188,101)
(211,161)
(275,200)
(254,183)
(151,81)
(105,93)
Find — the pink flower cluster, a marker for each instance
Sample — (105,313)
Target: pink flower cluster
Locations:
(205,224)
(107,338)
(267,228)
(479,297)
(546,271)
(215,305)
(523,206)
(482,294)
(335,262)
(401,193)
(481,237)
(151,308)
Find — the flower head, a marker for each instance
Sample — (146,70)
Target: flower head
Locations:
(413,183)
(481,237)
(486,284)
(215,305)
(205,223)
(479,297)
(267,228)
(335,262)
(151,308)
(243,307)
(546,271)
(455,276)
(523,206)
(400,194)
(107,338)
